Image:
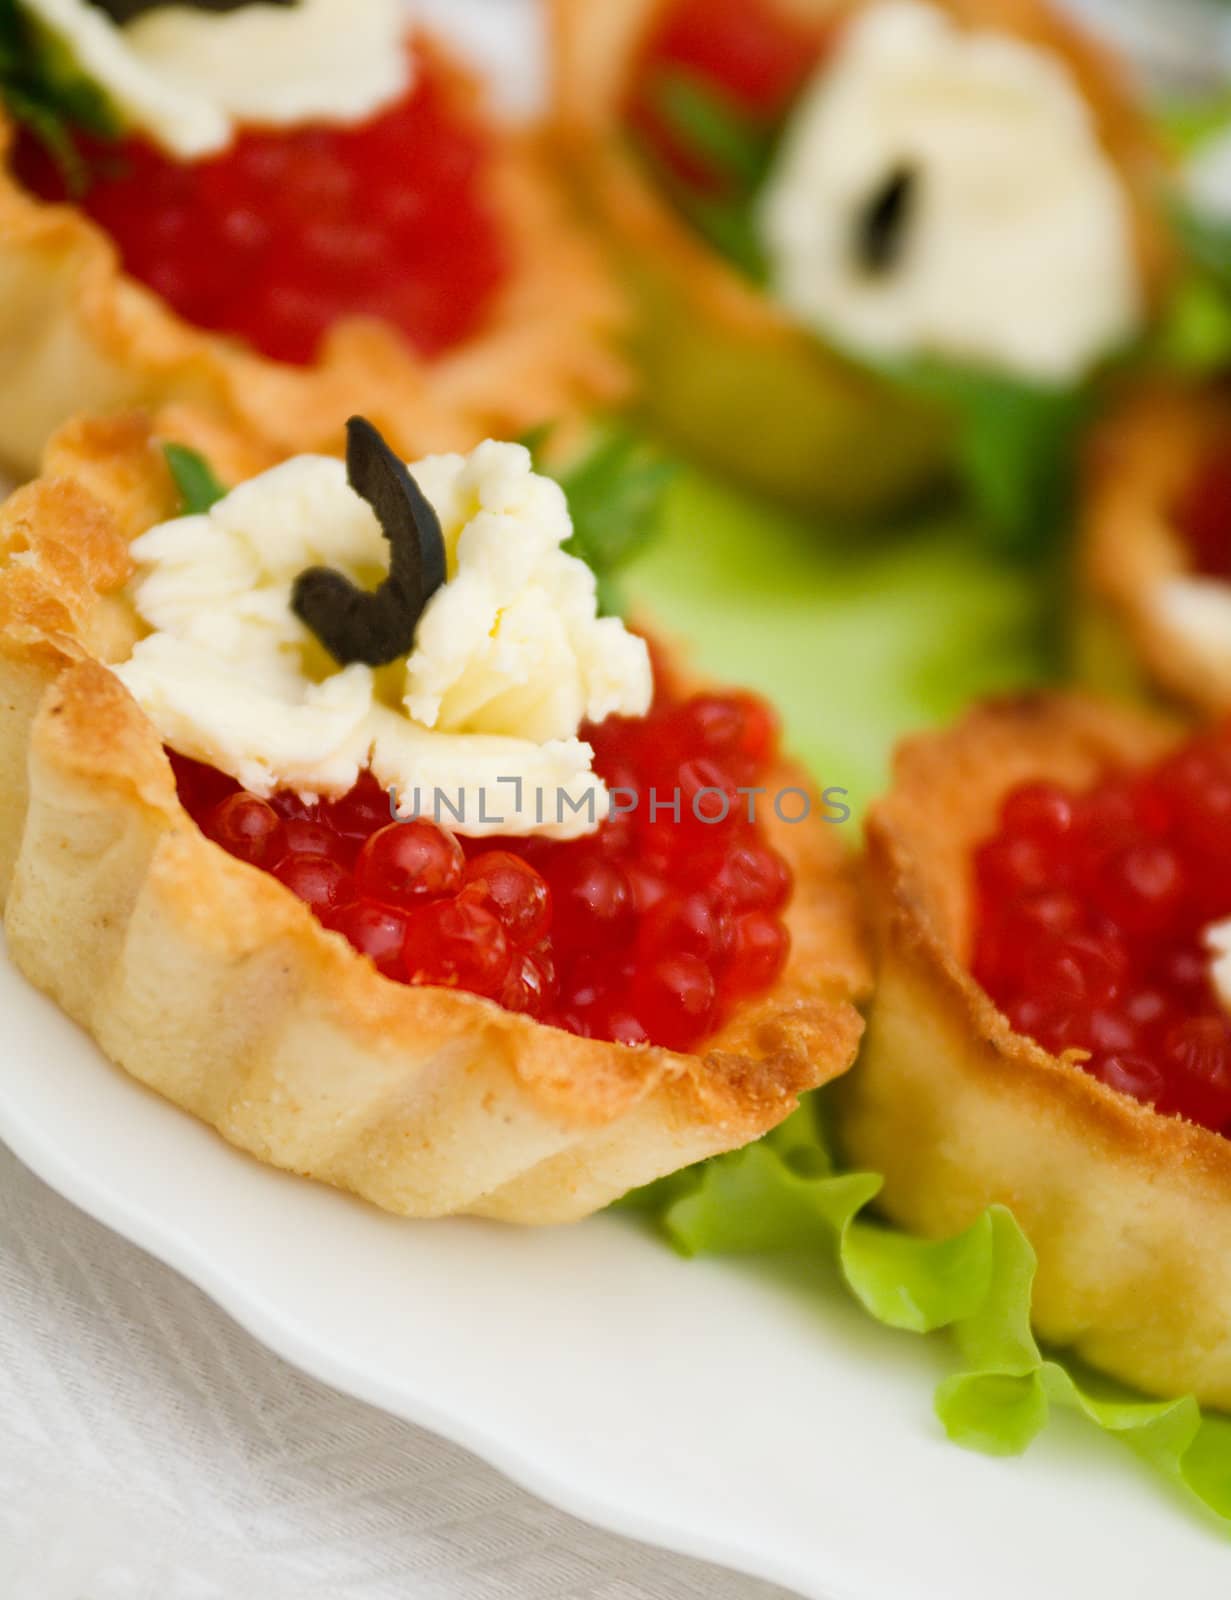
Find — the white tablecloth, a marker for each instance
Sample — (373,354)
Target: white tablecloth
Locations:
(151,1450)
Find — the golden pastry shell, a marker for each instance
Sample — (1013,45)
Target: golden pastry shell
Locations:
(1139,463)
(1128,1211)
(208,981)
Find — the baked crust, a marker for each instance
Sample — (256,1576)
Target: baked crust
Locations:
(210,982)
(78,336)
(1139,463)
(730,372)
(1129,1211)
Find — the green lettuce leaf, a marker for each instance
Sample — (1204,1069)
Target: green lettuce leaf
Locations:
(785,1194)
(856,637)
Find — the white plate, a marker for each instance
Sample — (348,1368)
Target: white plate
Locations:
(697,1405)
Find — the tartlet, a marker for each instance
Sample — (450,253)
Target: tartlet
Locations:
(1128,1208)
(206,978)
(80,335)
(1154,605)
(734,375)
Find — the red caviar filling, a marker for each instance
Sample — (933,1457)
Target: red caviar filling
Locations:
(649,930)
(1091,910)
(754,53)
(1203,515)
(288,232)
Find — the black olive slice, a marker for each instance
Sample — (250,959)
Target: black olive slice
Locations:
(126,10)
(884,220)
(377,626)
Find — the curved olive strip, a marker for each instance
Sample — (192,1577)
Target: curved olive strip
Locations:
(377,626)
(884,220)
(126,10)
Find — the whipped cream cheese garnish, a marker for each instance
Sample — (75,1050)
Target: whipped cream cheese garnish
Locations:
(1197,611)
(943,192)
(508,656)
(187,75)
(1218,942)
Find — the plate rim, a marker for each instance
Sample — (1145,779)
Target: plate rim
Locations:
(169,1244)
(175,1224)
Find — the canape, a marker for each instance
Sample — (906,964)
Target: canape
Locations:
(288,211)
(820,203)
(1154,610)
(341,869)
(1050,894)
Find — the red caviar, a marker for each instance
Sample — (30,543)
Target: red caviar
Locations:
(288,232)
(1091,915)
(648,930)
(1203,516)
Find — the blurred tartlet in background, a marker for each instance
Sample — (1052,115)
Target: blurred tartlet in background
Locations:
(869,241)
(1153,612)
(284,212)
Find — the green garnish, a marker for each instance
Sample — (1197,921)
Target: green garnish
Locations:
(1207,241)
(1190,122)
(195,479)
(126,10)
(708,123)
(1014,445)
(1194,333)
(44,90)
(736,149)
(616,494)
(1016,452)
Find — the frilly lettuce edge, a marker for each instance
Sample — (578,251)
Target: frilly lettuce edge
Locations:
(784,1194)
